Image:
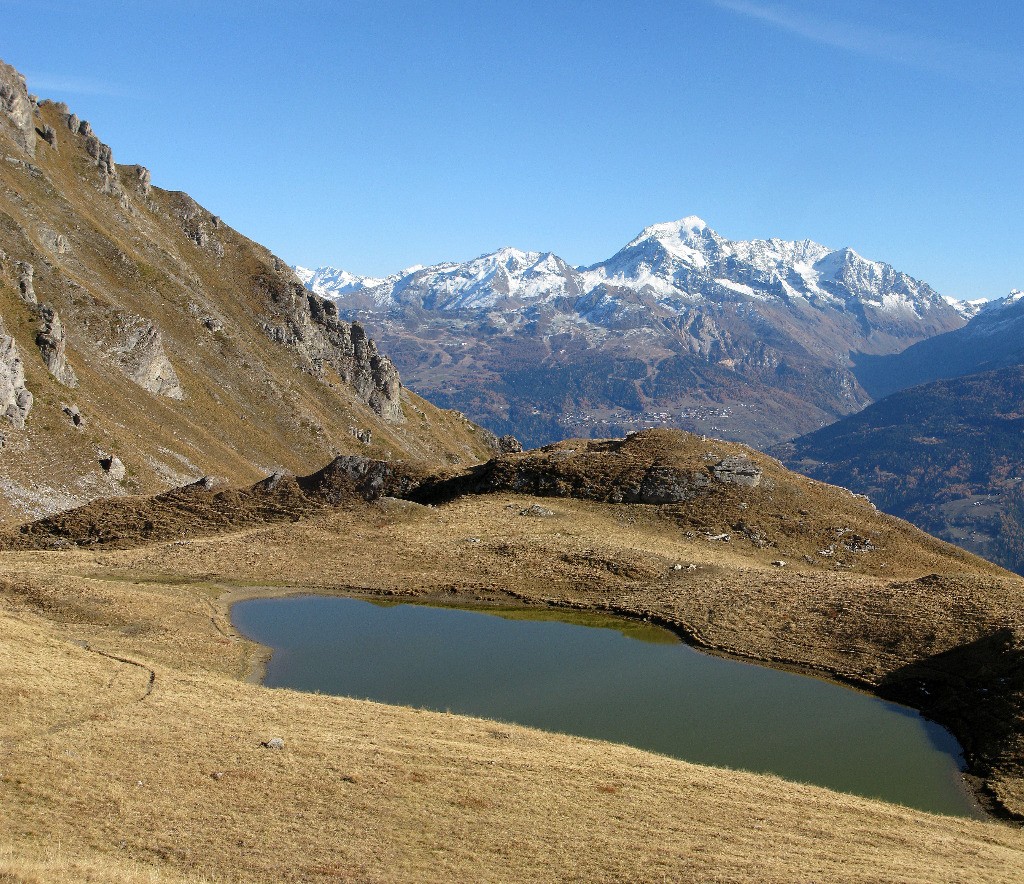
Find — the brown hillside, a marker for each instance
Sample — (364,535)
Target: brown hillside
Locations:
(147,329)
(771,565)
(123,667)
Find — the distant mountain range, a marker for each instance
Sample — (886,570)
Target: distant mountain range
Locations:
(994,338)
(749,340)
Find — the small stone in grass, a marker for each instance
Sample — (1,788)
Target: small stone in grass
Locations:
(274,743)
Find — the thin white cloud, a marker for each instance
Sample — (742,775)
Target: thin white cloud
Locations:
(56,86)
(961,61)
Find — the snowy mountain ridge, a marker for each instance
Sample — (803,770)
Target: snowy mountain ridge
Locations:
(677,263)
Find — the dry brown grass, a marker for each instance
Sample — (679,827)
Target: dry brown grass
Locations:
(33,866)
(250,405)
(370,792)
(179,781)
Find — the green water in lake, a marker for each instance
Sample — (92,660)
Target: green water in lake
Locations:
(612,680)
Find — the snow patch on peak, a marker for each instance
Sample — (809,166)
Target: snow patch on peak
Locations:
(672,233)
(968,309)
(329,282)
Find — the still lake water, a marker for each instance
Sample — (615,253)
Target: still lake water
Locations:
(610,679)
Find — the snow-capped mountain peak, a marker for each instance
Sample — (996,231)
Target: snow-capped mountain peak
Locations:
(672,234)
(508,274)
(677,263)
(330,282)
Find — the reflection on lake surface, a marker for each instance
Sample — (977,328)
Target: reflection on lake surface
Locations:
(621,681)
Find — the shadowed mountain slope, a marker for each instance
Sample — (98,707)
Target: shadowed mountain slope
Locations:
(947,456)
(994,338)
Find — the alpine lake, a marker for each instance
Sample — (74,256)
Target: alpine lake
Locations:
(610,679)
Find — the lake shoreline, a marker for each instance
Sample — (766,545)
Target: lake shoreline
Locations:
(495,601)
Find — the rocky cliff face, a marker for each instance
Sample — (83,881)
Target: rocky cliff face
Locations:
(146,343)
(17,110)
(15,399)
(329,346)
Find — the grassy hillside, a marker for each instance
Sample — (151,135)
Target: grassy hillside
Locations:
(123,663)
(186,349)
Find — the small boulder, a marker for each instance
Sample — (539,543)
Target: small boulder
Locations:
(113,467)
(274,743)
(538,511)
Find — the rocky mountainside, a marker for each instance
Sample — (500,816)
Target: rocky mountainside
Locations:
(682,327)
(947,456)
(144,343)
(994,338)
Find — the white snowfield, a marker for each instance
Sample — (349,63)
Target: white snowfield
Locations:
(674,265)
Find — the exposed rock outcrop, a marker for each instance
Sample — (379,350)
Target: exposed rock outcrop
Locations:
(55,243)
(144,180)
(509,444)
(26,286)
(196,223)
(104,157)
(16,108)
(328,345)
(737,471)
(52,343)
(15,399)
(351,474)
(143,358)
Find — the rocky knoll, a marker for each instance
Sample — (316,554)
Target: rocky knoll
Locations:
(181,347)
(637,469)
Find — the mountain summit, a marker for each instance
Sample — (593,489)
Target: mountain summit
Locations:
(753,340)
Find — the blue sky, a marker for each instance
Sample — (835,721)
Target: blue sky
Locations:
(375,134)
